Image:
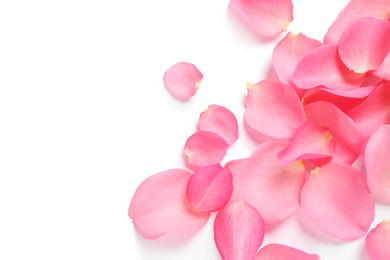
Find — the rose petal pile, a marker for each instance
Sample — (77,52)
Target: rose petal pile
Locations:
(317,120)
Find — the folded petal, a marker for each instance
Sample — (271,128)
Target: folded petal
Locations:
(183,80)
(378,241)
(273,109)
(160,206)
(273,189)
(221,121)
(209,188)
(323,67)
(337,201)
(266,17)
(282,252)
(377,162)
(383,71)
(365,44)
(238,231)
(204,148)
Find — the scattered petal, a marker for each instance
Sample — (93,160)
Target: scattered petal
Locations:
(282,252)
(383,71)
(378,241)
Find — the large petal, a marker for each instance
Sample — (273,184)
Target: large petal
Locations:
(337,201)
(266,17)
(183,80)
(378,241)
(282,252)
(274,190)
(160,206)
(377,161)
(323,67)
(220,120)
(273,109)
(204,148)
(209,188)
(365,44)
(238,231)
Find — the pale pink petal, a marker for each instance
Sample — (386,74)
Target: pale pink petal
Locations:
(383,71)
(323,67)
(183,80)
(273,109)
(238,231)
(365,44)
(377,161)
(266,17)
(160,206)
(289,51)
(220,120)
(378,241)
(337,201)
(274,190)
(378,9)
(209,188)
(282,252)
(204,148)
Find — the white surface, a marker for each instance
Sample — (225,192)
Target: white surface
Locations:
(85,118)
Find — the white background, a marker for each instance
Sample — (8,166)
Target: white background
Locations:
(85,118)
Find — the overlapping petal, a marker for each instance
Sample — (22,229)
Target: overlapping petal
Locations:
(160,206)
(383,71)
(238,231)
(378,241)
(282,252)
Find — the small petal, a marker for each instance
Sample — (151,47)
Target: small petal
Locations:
(160,206)
(183,80)
(282,252)
(383,71)
(204,148)
(266,17)
(221,121)
(209,188)
(378,241)
(238,231)
(337,201)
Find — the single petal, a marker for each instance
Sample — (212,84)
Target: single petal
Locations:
(238,231)
(220,120)
(183,80)
(282,252)
(378,9)
(378,241)
(160,206)
(273,109)
(383,71)
(273,189)
(209,188)
(266,17)
(365,44)
(323,67)
(377,161)
(204,148)
(337,201)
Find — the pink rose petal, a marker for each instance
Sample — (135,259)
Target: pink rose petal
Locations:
(383,71)
(160,206)
(183,80)
(221,121)
(378,241)
(282,252)
(209,188)
(238,231)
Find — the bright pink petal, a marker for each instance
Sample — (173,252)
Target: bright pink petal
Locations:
(378,241)
(238,231)
(383,71)
(377,161)
(365,44)
(266,17)
(323,67)
(160,206)
(378,9)
(221,121)
(289,51)
(274,190)
(183,80)
(209,188)
(273,109)
(337,201)
(204,148)
(282,252)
